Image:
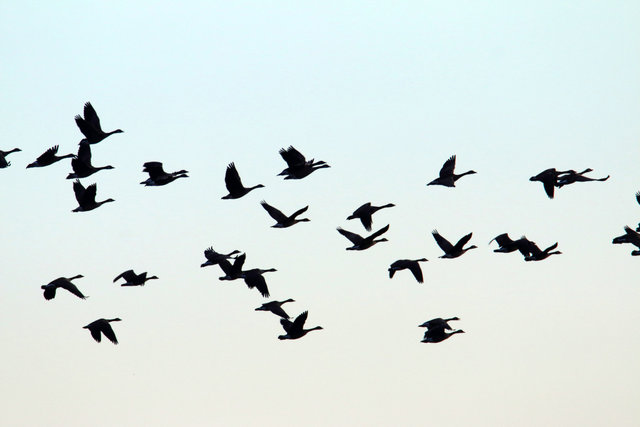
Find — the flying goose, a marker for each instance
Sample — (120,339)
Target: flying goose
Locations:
(295,329)
(133,279)
(48,157)
(452,251)
(3,154)
(64,283)
(507,245)
(535,254)
(630,237)
(572,176)
(439,335)
(275,307)
(549,179)
(86,197)
(365,212)
(157,175)
(284,221)
(298,165)
(234,183)
(254,279)
(214,257)
(102,326)
(90,126)
(447,177)
(81,164)
(361,243)
(412,265)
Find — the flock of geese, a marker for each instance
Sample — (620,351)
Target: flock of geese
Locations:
(298,167)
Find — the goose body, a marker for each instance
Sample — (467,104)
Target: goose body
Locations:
(439,335)
(549,179)
(275,307)
(64,283)
(361,243)
(133,279)
(253,279)
(295,329)
(452,251)
(47,158)
(81,164)
(3,154)
(214,257)
(282,220)
(86,197)
(102,326)
(536,254)
(90,126)
(412,265)
(447,177)
(234,183)
(507,245)
(365,212)
(157,175)
(298,166)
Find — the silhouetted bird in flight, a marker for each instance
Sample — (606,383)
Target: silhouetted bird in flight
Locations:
(102,326)
(365,212)
(133,279)
(412,265)
(549,179)
(234,183)
(214,257)
(535,254)
(81,164)
(452,251)
(90,126)
(447,177)
(275,307)
(630,236)
(232,271)
(298,165)
(284,221)
(507,245)
(64,283)
(48,157)
(157,175)
(572,176)
(438,323)
(295,329)
(3,154)
(436,330)
(361,243)
(86,197)
(254,279)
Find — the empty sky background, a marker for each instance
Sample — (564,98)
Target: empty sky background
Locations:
(384,92)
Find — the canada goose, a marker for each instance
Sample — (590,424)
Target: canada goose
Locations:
(572,176)
(253,278)
(102,326)
(295,329)
(81,164)
(275,307)
(535,254)
(361,243)
(452,251)
(412,265)
(232,271)
(86,197)
(90,126)
(630,237)
(214,257)
(549,179)
(157,175)
(3,154)
(133,279)
(507,245)
(365,211)
(438,323)
(298,165)
(284,221)
(64,283)
(447,177)
(48,157)
(439,335)
(234,183)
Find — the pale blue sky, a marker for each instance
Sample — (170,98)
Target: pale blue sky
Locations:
(385,93)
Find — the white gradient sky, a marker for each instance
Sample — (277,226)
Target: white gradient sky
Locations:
(382,91)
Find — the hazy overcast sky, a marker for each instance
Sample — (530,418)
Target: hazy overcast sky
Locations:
(384,92)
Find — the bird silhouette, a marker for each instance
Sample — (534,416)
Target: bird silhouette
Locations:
(90,126)
(86,197)
(412,265)
(295,329)
(447,177)
(365,212)
(438,323)
(298,166)
(361,243)
(157,175)
(234,183)
(3,154)
(133,279)
(232,271)
(572,176)
(254,279)
(102,326)
(439,335)
(549,179)
(507,245)
(64,283)
(630,236)
(214,257)
(452,251)
(282,220)
(81,164)
(49,157)
(275,307)
(535,254)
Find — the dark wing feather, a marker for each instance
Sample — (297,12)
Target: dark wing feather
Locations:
(89,195)
(379,232)
(293,157)
(91,117)
(155,170)
(448,167)
(444,244)
(417,271)
(274,213)
(503,239)
(48,156)
(298,324)
(72,288)
(128,275)
(548,187)
(95,333)
(232,179)
(84,153)
(353,237)
(463,241)
(287,325)
(299,211)
(108,332)
(79,190)
(49,292)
